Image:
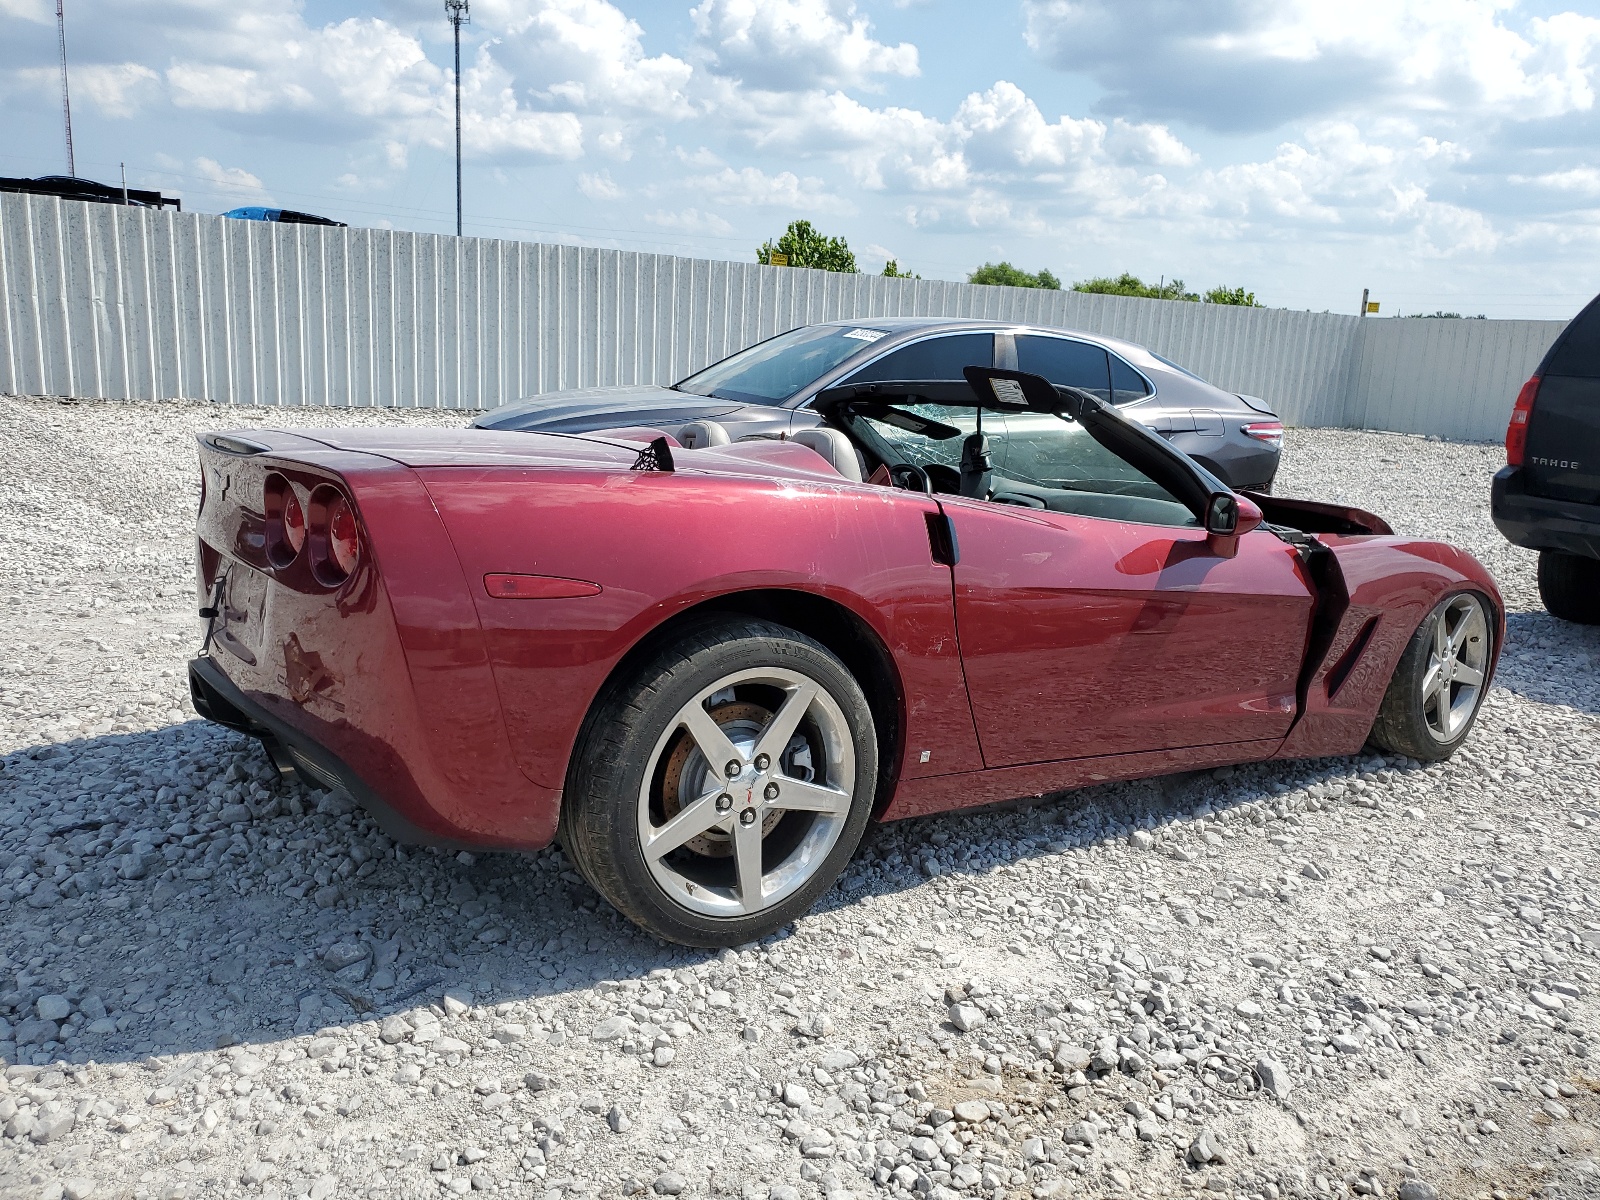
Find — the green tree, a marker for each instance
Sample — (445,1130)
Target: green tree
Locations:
(1224,295)
(1128,284)
(1003,274)
(806,246)
(893,271)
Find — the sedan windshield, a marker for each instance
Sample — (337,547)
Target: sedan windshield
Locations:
(772,371)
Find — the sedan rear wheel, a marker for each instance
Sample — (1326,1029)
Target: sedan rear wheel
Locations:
(721,788)
(1440,681)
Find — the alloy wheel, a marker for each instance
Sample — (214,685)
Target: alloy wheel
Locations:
(1458,661)
(746,792)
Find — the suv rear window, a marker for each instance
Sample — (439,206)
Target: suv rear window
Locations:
(1577,350)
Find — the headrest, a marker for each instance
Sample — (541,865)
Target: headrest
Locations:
(697,435)
(837,449)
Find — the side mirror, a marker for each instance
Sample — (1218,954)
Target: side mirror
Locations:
(1228,518)
(1222,515)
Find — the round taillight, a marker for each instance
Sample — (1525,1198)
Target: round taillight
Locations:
(294,522)
(285,533)
(344,537)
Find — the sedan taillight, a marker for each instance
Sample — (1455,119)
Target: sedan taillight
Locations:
(1269,433)
(1517,430)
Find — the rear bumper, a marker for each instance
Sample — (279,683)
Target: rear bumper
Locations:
(216,698)
(1241,462)
(1541,522)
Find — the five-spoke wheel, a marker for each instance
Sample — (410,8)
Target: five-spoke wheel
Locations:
(722,786)
(747,791)
(1440,681)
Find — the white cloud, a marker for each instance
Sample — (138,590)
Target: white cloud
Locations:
(797,45)
(599,186)
(117,89)
(752,187)
(1254,64)
(36,11)
(586,55)
(1582,180)
(232,181)
(494,124)
(356,69)
(1414,130)
(690,220)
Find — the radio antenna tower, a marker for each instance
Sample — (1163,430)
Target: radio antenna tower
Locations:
(456,11)
(66,99)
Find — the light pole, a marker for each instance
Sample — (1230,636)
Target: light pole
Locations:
(66,100)
(456,11)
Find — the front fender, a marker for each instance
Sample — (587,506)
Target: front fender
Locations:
(1390,584)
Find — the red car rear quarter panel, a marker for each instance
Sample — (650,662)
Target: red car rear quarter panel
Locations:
(1392,583)
(388,671)
(660,542)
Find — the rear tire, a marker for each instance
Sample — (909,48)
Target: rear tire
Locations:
(1569,585)
(1440,682)
(718,790)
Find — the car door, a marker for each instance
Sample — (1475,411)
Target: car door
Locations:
(1105,621)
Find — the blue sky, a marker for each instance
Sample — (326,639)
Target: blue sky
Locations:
(1444,153)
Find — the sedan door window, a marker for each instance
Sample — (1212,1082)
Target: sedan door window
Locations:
(1127,385)
(1066,363)
(932,358)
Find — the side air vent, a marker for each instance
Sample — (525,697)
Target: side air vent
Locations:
(1347,663)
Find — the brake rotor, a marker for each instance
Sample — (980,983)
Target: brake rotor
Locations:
(713,843)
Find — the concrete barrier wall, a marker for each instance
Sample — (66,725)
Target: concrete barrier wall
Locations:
(125,303)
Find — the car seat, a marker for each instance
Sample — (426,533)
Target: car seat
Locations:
(839,451)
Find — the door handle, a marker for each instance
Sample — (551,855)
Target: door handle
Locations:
(942,541)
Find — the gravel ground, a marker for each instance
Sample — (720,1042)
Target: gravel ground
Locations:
(1353,976)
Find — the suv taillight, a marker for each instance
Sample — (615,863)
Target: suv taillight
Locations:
(1517,430)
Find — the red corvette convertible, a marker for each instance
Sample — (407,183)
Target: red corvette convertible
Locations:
(705,670)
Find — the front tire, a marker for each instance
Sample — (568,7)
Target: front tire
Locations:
(1569,585)
(1440,682)
(719,789)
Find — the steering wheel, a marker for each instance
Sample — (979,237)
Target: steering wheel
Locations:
(911,477)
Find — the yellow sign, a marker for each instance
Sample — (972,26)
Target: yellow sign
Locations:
(1372,306)
(777,260)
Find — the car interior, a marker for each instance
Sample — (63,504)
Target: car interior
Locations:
(1041,461)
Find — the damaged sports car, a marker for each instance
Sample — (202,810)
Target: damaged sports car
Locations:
(704,671)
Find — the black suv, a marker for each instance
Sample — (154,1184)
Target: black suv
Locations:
(1547,497)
